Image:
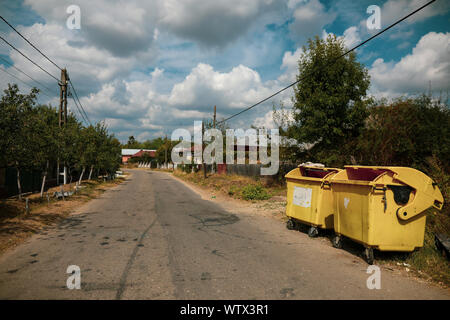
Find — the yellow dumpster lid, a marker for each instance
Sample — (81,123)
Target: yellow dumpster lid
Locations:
(311,173)
(409,176)
(427,193)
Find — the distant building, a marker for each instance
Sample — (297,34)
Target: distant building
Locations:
(131,153)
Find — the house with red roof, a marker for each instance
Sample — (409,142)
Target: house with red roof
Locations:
(127,154)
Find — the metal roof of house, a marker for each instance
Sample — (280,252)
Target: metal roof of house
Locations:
(130,152)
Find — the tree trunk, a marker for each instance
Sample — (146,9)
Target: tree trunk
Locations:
(81,176)
(90,172)
(19,187)
(43,180)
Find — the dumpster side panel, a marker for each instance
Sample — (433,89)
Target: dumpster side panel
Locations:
(389,233)
(302,200)
(377,212)
(352,210)
(325,208)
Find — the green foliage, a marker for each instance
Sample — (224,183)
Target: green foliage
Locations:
(132,143)
(233,190)
(405,132)
(31,137)
(161,151)
(254,192)
(154,144)
(330,103)
(186,168)
(17,131)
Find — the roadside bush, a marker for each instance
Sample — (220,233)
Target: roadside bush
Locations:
(233,190)
(254,192)
(405,132)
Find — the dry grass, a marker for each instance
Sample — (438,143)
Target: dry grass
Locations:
(426,262)
(223,187)
(231,185)
(16,225)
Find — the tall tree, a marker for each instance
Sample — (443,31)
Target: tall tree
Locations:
(17,123)
(46,128)
(330,103)
(133,143)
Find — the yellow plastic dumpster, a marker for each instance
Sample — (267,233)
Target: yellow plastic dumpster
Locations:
(382,207)
(309,198)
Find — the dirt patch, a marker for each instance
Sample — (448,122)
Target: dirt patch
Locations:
(16,225)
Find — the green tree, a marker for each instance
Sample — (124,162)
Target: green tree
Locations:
(108,153)
(330,103)
(32,139)
(88,145)
(133,143)
(153,144)
(46,127)
(161,151)
(18,134)
(406,132)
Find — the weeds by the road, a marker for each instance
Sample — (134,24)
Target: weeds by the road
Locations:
(254,192)
(16,225)
(238,187)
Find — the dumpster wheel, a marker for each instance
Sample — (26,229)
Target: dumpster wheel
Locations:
(368,255)
(337,242)
(290,224)
(313,232)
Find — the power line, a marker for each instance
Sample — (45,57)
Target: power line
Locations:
(13,66)
(76,95)
(4,70)
(333,62)
(29,59)
(29,42)
(82,111)
(78,108)
(79,111)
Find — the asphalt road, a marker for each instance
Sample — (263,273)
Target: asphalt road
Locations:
(152,237)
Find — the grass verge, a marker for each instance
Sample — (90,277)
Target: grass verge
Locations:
(238,187)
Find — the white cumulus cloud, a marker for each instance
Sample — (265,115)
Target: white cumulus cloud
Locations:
(429,61)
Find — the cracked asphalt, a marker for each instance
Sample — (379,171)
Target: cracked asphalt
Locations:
(152,237)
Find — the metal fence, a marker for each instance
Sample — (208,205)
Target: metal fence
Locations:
(30,180)
(249,170)
(254,170)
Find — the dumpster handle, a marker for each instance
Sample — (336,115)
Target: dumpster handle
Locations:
(325,183)
(375,188)
(415,207)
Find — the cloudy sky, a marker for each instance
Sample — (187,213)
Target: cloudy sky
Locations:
(148,67)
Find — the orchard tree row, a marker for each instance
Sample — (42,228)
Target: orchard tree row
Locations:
(31,139)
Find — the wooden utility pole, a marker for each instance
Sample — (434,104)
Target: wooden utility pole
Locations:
(165,156)
(64,79)
(62,116)
(63,98)
(203,150)
(214,153)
